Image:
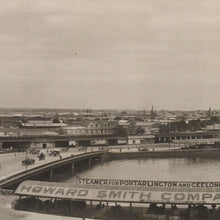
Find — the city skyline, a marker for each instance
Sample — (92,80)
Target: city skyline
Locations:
(110,54)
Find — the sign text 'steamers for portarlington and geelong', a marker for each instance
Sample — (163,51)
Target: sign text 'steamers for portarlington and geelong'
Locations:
(149,183)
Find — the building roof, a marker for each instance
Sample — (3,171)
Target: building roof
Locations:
(197,141)
(37,133)
(45,125)
(184,134)
(74,128)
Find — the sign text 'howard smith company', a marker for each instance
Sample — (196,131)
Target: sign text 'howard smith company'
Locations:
(120,195)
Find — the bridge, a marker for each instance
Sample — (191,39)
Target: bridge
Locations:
(49,168)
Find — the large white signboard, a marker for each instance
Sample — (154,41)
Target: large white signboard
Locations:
(158,195)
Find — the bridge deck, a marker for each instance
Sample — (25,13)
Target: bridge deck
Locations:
(44,167)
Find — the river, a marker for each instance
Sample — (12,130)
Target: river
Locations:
(176,169)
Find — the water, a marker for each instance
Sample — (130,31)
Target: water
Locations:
(176,169)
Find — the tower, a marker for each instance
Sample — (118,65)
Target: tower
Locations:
(152,114)
(209,114)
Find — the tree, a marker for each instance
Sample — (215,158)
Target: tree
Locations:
(122,131)
(117,118)
(194,125)
(140,130)
(56,119)
(164,129)
(213,120)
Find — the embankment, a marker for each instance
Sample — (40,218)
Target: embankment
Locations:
(202,153)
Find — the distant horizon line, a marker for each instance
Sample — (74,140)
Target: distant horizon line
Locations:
(100,109)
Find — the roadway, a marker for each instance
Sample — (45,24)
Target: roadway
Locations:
(11,163)
(47,166)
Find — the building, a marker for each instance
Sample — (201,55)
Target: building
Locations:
(43,144)
(91,128)
(215,127)
(101,127)
(9,132)
(73,130)
(170,137)
(140,139)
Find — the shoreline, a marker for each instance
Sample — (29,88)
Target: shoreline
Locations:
(213,153)
(7,213)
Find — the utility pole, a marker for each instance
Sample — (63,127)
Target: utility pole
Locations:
(26,160)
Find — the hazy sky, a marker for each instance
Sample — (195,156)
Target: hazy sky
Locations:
(110,54)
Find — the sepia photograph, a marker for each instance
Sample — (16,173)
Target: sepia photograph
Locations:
(109,110)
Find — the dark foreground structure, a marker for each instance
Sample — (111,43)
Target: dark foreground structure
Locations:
(122,199)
